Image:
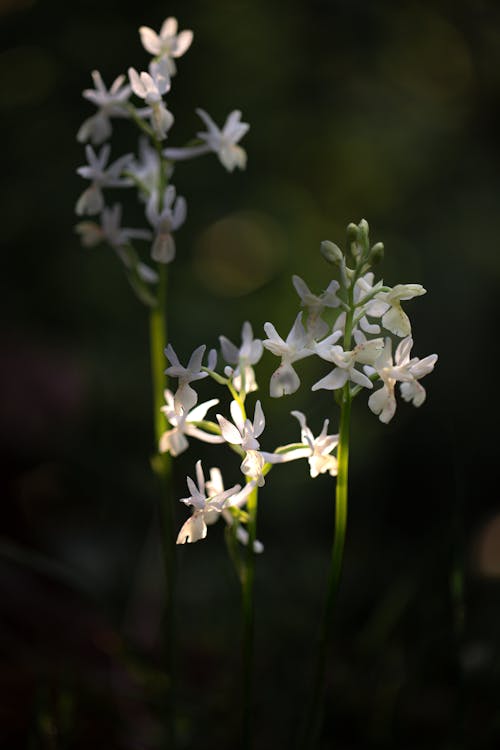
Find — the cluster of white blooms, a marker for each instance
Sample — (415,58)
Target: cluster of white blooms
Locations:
(358,342)
(363,315)
(186,419)
(151,170)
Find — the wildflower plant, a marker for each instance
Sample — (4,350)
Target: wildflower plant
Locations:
(368,319)
(146,252)
(358,326)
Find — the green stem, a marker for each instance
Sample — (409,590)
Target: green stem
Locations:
(315,712)
(247,586)
(163,469)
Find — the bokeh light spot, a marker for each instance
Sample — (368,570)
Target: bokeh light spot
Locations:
(488,549)
(239,254)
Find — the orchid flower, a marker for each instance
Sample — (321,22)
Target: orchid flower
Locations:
(401,368)
(110,103)
(110,230)
(221,142)
(364,352)
(214,486)
(297,346)
(166,221)
(315,305)
(195,528)
(388,306)
(183,423)
(168,44)
(316,450)
(146,169)
(245,433)
(186,375)
(244,358)
(151,87)
(92,201)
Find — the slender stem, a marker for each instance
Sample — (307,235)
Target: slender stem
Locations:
(163,469)
(247,585)
(315,712)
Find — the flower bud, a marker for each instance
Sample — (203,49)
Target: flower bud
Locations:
(364,230)
(331,252)
(352,233)
(363,227)
(377,253)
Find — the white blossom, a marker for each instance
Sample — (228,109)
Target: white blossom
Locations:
(110,230)
(320,448)
(244,432)
(315,304)
(92,201)
(146,169)
(165,221)
(151,87)
(195,528)
(364,352)
(316,450)
(388,306)
(403,369)
(411,390)
(244,358)
(110,103)
(168,44)
(363,289)
(214,486)
(221,142)
(186,375)
(285,380)
(183,423)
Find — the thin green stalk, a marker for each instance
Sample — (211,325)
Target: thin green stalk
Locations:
(163,469)
(315,712)
(247,585)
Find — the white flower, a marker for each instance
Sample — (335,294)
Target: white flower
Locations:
(364,288)
(195,527)
(183,423)
(110,230)
(253,465)
(316,304)
(245,433)
(146,169)
(168,44)
(92,201)
(320,447)
(364,352)
(401,368)
(245,357)
(214,486)
(110,103)
(388,305)
(221,142)
(165,221)
(411,390)
(151,87)
(316,450)
(285,380)
(186,375)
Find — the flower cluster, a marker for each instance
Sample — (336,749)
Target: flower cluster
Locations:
(150,171)
(358,344)
(364,316)
(242,434)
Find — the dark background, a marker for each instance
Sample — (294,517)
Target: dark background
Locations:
(387,111)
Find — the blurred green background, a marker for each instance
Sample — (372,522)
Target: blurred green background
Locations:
(377,110)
